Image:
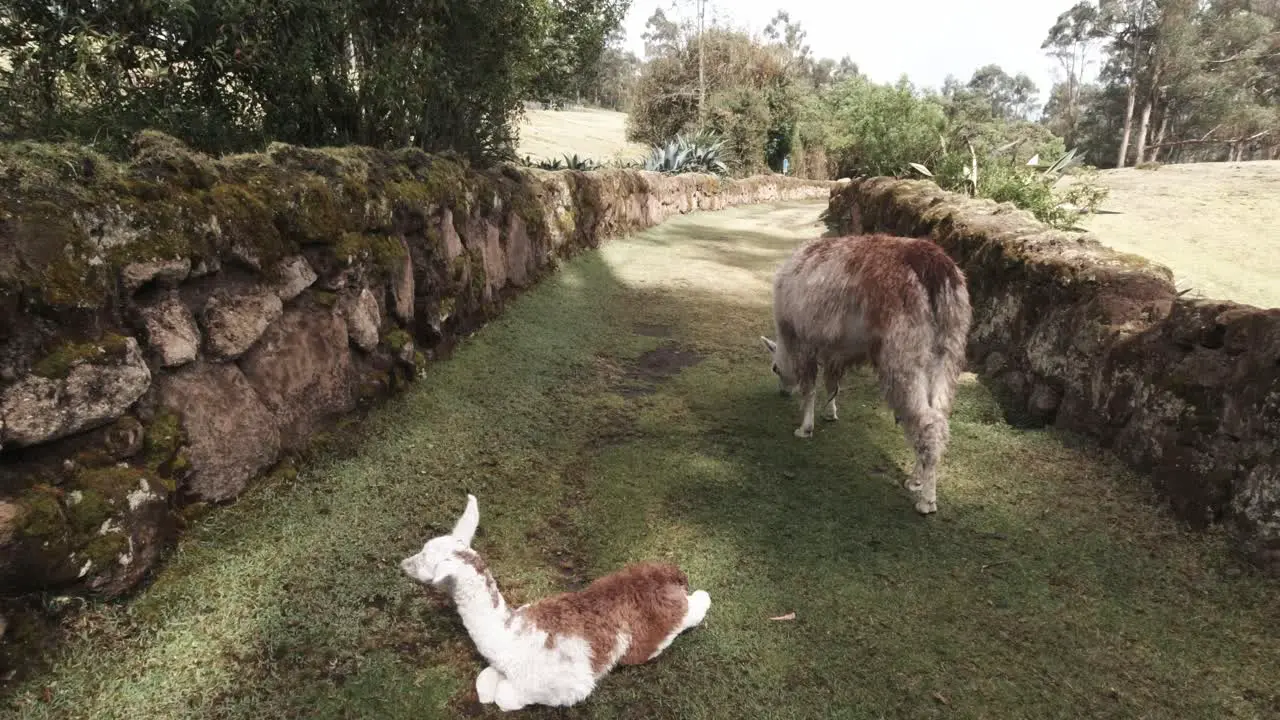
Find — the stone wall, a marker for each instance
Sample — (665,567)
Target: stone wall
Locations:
(173,326)
(1088,339)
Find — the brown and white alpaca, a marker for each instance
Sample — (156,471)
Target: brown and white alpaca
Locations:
(552,652)
(900,304)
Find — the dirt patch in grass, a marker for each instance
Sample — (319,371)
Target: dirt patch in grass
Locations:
(653,330)
(655,366)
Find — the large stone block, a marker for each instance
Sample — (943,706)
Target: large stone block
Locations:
(302,370)
(233,322)
(83,387)
(231,435)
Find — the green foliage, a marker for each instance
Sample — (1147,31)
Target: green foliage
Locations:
(742,117)
(873,129)
(227,75)
(1054,199)
(754,92)
(699,153)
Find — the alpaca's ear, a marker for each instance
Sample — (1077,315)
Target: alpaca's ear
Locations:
(467,524)
(769,345)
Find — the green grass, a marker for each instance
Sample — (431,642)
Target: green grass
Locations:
(1048,586)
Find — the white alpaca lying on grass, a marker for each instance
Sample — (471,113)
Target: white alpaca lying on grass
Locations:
(552,652)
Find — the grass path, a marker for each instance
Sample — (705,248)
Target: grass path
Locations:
(624,410)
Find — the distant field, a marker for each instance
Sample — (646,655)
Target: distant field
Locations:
(598,134)
(1216,225)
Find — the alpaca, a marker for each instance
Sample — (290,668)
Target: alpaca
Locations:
(554,651)
(899,303)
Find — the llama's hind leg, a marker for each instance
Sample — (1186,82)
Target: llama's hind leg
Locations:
(699,604)
(831,379)
(926,429)
(929,434)
(507,697)
(487,684)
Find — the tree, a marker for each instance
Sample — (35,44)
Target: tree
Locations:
(1072,41)
(610,82)
(227,76)
(1007,97)
(1200,79)
(827,72)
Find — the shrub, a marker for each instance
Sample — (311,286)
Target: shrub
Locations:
(1024,185)
(741,116)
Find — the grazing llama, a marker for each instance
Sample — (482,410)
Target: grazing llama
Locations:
(899,303)
(554,651)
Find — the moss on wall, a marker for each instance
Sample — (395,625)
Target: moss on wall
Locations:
(58,363)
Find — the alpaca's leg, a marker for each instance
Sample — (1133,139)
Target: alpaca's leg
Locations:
(806,423)
(507,696)
(487,684)
(699,604)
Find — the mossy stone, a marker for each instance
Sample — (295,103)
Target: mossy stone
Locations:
(163,438)
(397,340)
(42,515)
(58,363)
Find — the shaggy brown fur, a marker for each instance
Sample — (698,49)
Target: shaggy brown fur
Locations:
(899,303)
(646,601)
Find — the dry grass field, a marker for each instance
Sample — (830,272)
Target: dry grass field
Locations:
(1216,225)
(598,134)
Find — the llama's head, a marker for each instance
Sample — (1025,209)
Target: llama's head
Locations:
(782,367)
(439,559)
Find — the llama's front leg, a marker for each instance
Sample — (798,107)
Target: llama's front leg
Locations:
(507,696)
(806,423)
(487,684)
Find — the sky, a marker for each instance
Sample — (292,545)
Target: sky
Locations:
(926,39)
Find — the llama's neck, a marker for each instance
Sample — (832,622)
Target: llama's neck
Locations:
(482,608)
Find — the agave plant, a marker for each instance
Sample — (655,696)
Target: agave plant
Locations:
(565,162)
(580,163)
(699,153)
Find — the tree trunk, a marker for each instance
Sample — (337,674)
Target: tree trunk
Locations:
(1143,126)
(1133,87)
(702,67)
(1164,126)
(1128,124)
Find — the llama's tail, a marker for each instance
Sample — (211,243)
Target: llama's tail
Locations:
(952,316)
